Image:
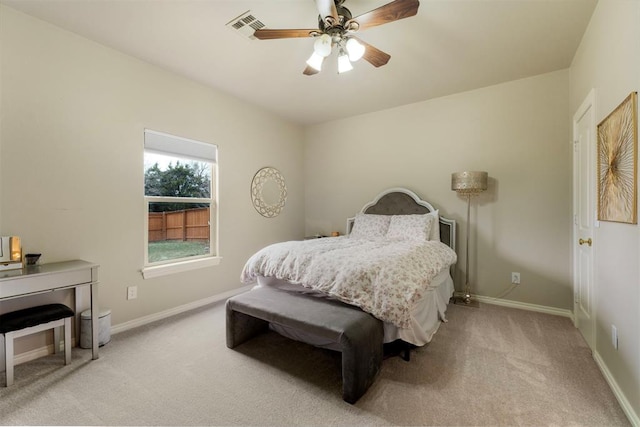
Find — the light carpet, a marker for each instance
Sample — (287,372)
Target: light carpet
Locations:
(487,366)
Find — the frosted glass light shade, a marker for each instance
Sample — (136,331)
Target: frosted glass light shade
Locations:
(344,64)
(355,49)
(315,61)
(322,45)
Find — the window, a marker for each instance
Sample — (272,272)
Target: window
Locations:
(180,204)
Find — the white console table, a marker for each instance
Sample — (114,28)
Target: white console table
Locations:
(56,276)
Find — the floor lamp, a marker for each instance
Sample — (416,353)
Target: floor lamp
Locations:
(468,184)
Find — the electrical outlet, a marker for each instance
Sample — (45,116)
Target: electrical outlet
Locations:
(515,278)
(132,292)
(614,336)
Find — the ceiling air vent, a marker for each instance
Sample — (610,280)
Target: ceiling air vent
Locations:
(245,24)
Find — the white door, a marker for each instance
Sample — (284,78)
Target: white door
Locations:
(584,208)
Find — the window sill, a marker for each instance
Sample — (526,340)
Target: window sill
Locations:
(178,267)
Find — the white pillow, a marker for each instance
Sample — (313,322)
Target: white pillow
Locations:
(410,227)
(367,226)
(435,226)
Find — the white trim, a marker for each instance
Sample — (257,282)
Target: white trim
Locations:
(177,310)
(626,406)
(617,392)
(164,143)
(179,267)
(522,305)
(166,199)
(30,355)
(48,349)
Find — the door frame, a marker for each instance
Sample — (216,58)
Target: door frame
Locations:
(588,106)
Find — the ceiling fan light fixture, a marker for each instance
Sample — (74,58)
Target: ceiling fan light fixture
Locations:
(344,64)
(315,61)
(355,49)
(322,45)
(336,25)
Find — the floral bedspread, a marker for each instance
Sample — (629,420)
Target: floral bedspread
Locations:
(382,277)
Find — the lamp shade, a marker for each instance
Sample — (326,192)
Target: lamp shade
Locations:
(315,61)
(355,50)
(322,45)
(469,182)
(344,64)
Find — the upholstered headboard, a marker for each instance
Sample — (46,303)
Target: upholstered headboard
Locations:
(400,201)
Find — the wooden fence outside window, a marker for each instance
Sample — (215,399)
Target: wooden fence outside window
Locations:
(186,225)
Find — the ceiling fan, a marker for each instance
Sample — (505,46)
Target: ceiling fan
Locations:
(336,28)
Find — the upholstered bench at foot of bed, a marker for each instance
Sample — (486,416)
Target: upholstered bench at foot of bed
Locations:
(359,334)
(31,320)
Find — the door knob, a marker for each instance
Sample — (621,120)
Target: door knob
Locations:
(588,241)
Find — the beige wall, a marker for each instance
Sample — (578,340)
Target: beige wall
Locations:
(73,114)
(519,132)
(609,61)
(71,153)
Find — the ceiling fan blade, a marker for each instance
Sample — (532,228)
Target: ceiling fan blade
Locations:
(268,34)
(327,8)
(373,55)
(398,9)
(310,71)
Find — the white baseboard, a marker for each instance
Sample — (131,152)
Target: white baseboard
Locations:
(634,419)
(521,305)
(177,310)
(622,399)
(28,356)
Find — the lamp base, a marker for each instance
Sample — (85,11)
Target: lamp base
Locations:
(465,299)
(466,302)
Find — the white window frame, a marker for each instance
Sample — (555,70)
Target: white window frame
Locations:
(163,143)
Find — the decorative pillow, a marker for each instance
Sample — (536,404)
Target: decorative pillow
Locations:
(435,226)
(410,227)
(367,226)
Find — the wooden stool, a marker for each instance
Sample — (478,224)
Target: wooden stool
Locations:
(31,320)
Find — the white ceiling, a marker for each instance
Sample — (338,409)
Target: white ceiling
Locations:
(450,46)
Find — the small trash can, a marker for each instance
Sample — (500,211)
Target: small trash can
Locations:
(104,328)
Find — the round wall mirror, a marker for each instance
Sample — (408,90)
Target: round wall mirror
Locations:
(268,192)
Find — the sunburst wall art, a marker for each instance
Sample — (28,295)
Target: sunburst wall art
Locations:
(617,170)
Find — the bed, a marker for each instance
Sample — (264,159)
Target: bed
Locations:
(415,315)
